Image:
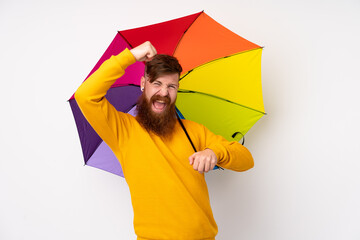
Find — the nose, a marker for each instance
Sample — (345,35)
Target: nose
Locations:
(163,91)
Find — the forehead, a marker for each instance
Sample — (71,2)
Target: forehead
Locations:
(172,78)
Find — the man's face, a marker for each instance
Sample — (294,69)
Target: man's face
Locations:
(156,106)
(162,92)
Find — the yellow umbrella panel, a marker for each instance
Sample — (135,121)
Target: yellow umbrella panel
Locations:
(225,94)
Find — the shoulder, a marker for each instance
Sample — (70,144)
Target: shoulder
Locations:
(127,115)
(127,118)
(193,126)
(191,123)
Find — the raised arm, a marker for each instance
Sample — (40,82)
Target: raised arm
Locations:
(101,115)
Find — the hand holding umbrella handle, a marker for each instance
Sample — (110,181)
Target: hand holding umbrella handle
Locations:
(203,161)
(144,52)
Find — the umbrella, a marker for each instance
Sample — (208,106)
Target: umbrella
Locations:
(220,86)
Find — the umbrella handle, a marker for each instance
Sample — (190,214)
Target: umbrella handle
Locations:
(243,137)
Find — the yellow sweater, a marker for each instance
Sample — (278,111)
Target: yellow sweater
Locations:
(170,199)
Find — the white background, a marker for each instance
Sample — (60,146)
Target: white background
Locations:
(306,181)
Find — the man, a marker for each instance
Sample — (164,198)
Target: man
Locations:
(165,177)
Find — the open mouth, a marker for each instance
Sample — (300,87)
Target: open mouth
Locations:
(159,103)
(159,106)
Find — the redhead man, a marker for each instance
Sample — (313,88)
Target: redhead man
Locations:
(166,178)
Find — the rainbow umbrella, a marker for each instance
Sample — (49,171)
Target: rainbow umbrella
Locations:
(220,86)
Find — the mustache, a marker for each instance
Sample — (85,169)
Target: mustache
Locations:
(166,99)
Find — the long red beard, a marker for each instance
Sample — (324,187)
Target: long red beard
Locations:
(162,124)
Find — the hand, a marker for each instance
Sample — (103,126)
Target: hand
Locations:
(203,161)
(144,52)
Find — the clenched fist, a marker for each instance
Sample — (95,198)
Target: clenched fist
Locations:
(144,52)
(203,161)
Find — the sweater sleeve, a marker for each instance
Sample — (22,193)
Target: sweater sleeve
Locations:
(231,155)
(90,97)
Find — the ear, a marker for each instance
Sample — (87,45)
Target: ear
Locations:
(142,82)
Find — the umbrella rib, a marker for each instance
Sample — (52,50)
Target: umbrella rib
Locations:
(220,98)
(185,32)
(218,59)
(125,39)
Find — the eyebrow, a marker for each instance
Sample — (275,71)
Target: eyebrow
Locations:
(171,84)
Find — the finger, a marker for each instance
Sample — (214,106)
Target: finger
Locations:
(150,55)
(148,59)
(151,52)
(196,164)
(191,159)
(207,165)
(201,166)
(212,164)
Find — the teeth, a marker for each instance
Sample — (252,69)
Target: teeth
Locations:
(160,101)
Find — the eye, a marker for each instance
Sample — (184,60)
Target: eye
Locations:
(173,87)
(157,83)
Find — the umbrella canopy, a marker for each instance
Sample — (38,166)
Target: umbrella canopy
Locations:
(220,86)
